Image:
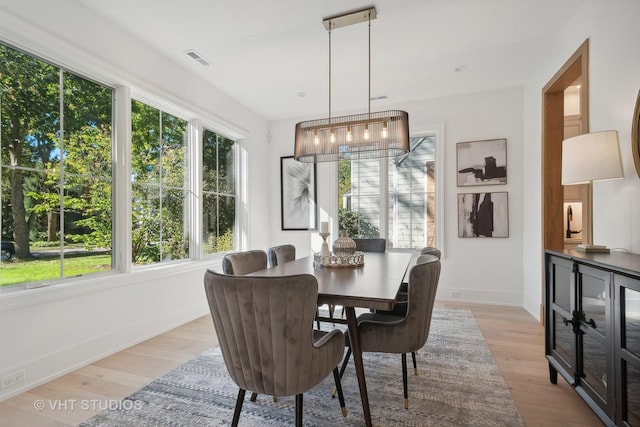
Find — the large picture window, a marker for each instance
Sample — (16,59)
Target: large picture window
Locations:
(393,198)
(55,171)
(59,164)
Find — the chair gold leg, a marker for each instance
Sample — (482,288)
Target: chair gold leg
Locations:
(405,388)
(275,398)
(338,387)
(415,365)
(254,396)
(345,361)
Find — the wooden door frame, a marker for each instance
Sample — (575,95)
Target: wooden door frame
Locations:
(577,66)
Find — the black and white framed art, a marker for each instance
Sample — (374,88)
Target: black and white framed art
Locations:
(483,215)
(481,162)
(298,194)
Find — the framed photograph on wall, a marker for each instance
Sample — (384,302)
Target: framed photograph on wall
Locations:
(298,194)
(481,162)
(483,215)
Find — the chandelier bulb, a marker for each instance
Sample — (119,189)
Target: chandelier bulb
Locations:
(366,132)
(332,136)
(349,134)
(316,138)
(385,130)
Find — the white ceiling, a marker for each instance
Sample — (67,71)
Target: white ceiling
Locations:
(266,54)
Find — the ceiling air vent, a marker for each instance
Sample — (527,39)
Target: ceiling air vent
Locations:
(196,56)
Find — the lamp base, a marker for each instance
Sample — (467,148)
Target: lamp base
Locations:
(593,249)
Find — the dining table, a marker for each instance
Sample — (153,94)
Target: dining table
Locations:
(372,285)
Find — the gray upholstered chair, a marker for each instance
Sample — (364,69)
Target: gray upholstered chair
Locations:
(285,253)
(400,307)
(431,250)
(264,327)
(279,254)
(241,263)
(371,245)
(364,245)
(389,333)
(427,250)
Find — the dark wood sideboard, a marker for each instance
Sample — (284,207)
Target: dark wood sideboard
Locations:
(592,330)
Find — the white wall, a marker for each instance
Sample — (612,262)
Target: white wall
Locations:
(614,81)
(50,331)
(483,270)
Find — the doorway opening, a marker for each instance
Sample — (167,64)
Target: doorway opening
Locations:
(565,115)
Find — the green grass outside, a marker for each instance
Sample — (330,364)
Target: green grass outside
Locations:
(34,270)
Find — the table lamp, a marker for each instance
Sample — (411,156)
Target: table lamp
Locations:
(591,157)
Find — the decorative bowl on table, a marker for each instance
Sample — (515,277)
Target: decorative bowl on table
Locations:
(356,259)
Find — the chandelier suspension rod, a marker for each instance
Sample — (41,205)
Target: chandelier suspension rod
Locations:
(329,74)
(369,99)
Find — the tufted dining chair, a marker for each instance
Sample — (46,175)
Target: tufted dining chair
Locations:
(264,326)
(371,245)
(431,250)
(364,245)
(391,333)
(427,250)
(279,254)
(400,307)
(285,253)
(241,263)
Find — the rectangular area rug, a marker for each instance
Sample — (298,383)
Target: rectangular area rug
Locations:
(458,384)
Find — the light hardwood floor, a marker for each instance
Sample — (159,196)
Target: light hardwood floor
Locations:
(516,341)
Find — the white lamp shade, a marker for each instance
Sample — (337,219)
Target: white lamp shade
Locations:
(591,157)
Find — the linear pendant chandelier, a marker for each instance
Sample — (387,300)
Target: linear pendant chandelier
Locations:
(359,136)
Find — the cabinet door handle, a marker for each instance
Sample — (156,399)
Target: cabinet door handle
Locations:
(575,321)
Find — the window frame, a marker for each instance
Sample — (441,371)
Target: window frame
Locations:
(436,131)
(61,172)
(161,106)
(67,58)
(199,190)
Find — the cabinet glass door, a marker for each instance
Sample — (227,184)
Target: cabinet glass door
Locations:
(632,394)
(593,296)
(561,294)
(595,342)
(632,321)
(630,354)
(594,365)
(561,290)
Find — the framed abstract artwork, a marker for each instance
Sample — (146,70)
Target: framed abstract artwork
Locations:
(483,215)
(481,162)
(298,194)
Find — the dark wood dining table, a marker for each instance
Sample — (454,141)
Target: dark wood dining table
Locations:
(373,285)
